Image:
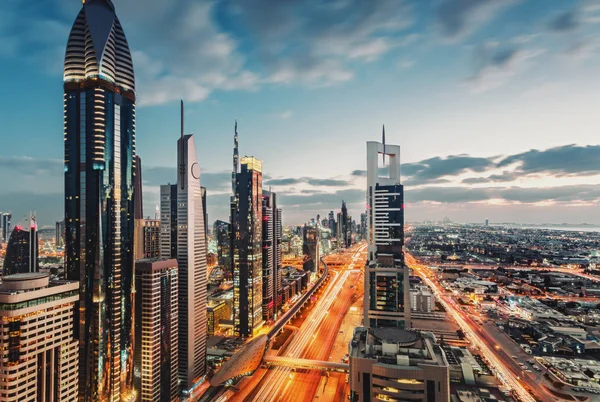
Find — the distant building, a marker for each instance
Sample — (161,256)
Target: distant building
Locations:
(310,249)
(332,224)
(392,363)
(35,309)
(152,238)
(422,301)
(346,226)
(168,221)
(5,226)
(156,330)
(277,252)
(247,271)
(221,230)
(59,234)
(387,298)
(22,251)
(487,222)
(363,226)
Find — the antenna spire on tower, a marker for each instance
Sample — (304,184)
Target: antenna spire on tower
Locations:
(383,142)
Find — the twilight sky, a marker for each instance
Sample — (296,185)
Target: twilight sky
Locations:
(494,102)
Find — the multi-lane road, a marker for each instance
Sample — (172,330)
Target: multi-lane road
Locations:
(314,339)
(506,370)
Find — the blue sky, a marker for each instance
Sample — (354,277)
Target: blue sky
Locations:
(494,102)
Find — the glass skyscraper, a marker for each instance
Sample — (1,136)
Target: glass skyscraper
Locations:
(99,131)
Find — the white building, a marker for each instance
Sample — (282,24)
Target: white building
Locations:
(191,258)
(39,358)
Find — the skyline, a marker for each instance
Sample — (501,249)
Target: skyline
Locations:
(521,74)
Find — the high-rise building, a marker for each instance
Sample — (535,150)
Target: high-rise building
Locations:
(487,222)
(247,270)
(339,230)
(151,238)
(233,204)
(156,330)
(22,251)
(310,249)
(217,311)
(100,169)
(40,356)
(191,257)
(363,226)
(222,231)
(4,226)
(387,297)
(268,260)
(168,220)
(59,234)
(203,190)
(346,226)
(332,224)
(277,253)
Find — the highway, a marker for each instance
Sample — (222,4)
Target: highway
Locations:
(500,364)
(315,338)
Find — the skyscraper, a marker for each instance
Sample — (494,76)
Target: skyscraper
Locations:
(168,220)
(233,202)
(387,299)
(310,249)
(277,252)
(205,217)
(22,251)
(39,353)
(191,257)
(268,262)
(247,270)
(59,234)
(156,330)
(332,224)
(99,131)
(4,226)
(346,226)
(222,231)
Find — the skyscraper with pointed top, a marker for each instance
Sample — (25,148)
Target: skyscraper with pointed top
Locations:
(191,258)
(233,200)
(99,138)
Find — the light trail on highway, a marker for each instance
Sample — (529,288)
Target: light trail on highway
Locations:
(277,381)
(503,373)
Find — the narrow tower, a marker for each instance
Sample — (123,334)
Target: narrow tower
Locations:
(191,258)
(99,137)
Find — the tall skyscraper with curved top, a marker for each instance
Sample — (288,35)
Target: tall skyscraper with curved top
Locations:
(99,130)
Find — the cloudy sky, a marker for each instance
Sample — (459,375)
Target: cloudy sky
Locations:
(494,102)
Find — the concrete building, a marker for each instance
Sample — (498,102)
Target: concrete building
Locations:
(156,330)
(268,262)
(168,221)
(191,258)
(386,276)
(422,301)
(222,233)
(392,364)
(22,251)
(217,311)
(5,226)
(152,238)
(248,269)
(39,357)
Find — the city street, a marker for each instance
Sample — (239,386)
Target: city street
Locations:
(315,340)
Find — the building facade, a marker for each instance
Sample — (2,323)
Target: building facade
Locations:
(310,249)
(156,330)
(268,262)
(39,355)
(191,257)
(217,311)
(168,220)
(277,253)
(5,226)
(222,233)
(151,238)
(21,251)
(99,138)
(59,234)
(387,297)
(247,271)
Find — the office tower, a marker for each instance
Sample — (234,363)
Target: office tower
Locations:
(268,262)
(4,226)
(203,190)
(151,231)
(487,222)
(99,130)
(156,330)
(168,220)
(340,230)
(387,298)
(191,257)
(310,249)
(332,224)
(222,231)
(217,311)
(277,253)
(138,205)
(247,270)
(346,229)
(59,234)
(233,203)
(363,226)
(40,356)
(22,251)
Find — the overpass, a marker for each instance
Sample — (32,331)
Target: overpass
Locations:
(306,364)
